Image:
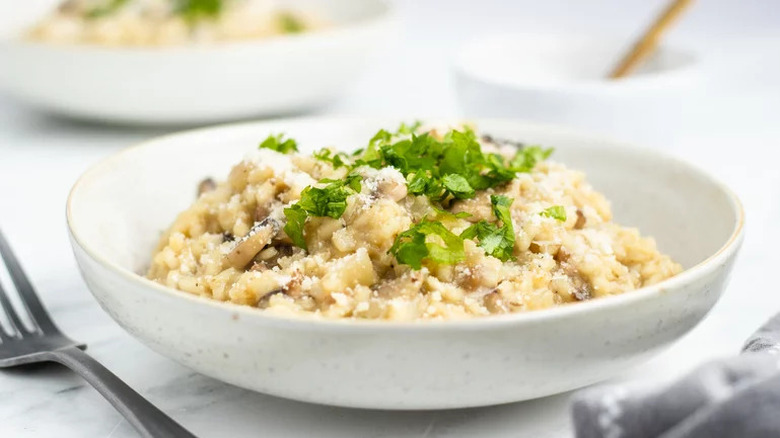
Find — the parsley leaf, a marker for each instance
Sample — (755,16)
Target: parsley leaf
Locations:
(405,129)
(196,9)
(412,155)
(296,219)
(458,186)
(290,23)
(501,206)
(463,156)
(556,212)
(527,157)
(338,159)
(107,8)
(329,201)
(371,156)
(353,181)
(279,144)
(498,242)
(439,213)
(423,183)
(412,248)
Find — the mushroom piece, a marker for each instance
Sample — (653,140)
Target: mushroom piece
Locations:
(69,7)
(582,289)
(580,220)
(391,188)
(487,138)
(494,303)
(261,212)
(206,185)
(247,247)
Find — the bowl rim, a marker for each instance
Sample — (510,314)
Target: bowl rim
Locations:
(711,263)
(386,13)
(464,68)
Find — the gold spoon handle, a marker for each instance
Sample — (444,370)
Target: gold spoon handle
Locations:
(647,44)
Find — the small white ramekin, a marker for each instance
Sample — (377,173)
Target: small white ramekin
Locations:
(562,79)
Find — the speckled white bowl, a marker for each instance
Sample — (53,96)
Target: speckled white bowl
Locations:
(192,83)
(117,210)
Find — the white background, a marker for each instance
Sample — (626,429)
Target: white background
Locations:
(732,131)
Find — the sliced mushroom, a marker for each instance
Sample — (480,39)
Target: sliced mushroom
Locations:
(562,255)
(69,7)
(582,289)
(261,212)
(248,246)
(263,302)
(206,185)
(390,188)
(494,303)
(487,138)
(581,220)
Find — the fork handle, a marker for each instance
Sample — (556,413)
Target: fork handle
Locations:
(144,416)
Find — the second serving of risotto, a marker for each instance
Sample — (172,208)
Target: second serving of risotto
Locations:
(135,23)
(419,224)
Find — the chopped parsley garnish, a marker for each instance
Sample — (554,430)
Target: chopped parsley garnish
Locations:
(329,201)
(454,167)
(439,213)
(405,129)
(279,144)
(498,242)
(107,8)
(296,219)
(457,185)
(444,169)
(413,246)
(555,212)
(338,159)
(528,156)
(196,9)
(290,23)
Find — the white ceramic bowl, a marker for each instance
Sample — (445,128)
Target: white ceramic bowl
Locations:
(118,208)
(559,78)
(198,83)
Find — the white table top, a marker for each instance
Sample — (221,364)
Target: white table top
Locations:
(733,134)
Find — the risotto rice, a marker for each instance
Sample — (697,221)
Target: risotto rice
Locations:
(375,236)
(167,22)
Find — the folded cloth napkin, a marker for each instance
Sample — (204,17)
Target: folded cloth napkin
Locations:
(736,397)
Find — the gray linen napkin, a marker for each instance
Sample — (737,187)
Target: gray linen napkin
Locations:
(735,397)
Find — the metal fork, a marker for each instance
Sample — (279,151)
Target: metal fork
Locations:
(45,343)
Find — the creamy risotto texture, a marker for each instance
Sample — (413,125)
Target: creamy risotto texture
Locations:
(419,224)
(167,22)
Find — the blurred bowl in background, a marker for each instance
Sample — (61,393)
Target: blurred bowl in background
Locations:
(199,83)
(563,79)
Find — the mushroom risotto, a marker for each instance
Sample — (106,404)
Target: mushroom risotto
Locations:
(167,22)
(420,224)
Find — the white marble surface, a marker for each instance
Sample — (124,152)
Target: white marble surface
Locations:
(732,132)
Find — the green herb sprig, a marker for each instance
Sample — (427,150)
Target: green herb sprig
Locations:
(107,8)
(455,167)
(412,246)
(557,212)
(498,242)
(338,159)
(451,168)
(290,23)
(279,144)
(329,201)
(193,10)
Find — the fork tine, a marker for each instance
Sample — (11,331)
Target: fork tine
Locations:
(30,299)
(13,318)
